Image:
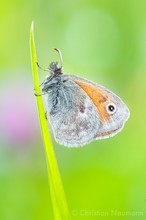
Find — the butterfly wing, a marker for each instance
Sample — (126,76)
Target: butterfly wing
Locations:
(110,122)
(72,115)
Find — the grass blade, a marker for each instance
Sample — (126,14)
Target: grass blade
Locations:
(60,207)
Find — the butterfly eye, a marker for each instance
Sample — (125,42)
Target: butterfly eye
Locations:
(111,108)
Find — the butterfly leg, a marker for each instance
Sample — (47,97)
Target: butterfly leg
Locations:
(41,94)
(46,116)
(38,94)
(41,67)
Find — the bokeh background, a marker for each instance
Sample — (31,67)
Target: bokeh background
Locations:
(104,41)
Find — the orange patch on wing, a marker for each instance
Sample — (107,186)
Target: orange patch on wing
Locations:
(98,97)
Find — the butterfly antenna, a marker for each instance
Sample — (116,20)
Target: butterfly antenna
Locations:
(60,56)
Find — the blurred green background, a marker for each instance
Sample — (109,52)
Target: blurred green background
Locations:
(104,41)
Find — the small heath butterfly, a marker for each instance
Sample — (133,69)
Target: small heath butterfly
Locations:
(80,111)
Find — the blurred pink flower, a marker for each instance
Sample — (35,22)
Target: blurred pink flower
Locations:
(18,112)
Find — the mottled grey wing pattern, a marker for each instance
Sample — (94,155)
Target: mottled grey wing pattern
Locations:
(72,115)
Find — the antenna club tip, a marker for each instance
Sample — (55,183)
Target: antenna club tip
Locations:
(56,49)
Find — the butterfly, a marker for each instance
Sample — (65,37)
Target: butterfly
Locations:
(80,111)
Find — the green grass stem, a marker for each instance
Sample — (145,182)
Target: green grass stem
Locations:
(59,204)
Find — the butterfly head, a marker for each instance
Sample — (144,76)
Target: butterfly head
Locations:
(55,69)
